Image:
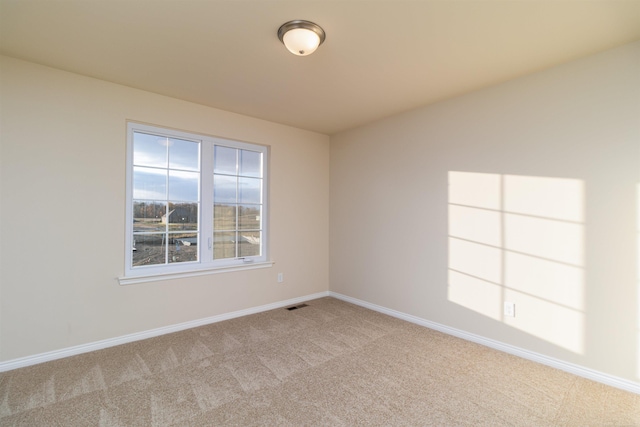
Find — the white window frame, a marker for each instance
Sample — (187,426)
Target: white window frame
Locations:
(205,264)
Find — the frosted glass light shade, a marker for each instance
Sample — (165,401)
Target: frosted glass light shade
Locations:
(301,38)
(301,41)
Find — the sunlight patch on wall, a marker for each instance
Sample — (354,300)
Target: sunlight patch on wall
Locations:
(476,294)
(520,239)
(548,239)
(477,225)
(480,261)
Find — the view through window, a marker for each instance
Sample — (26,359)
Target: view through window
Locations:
(194,202)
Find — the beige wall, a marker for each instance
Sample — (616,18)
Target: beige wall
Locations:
(62,213)
(548,218)
(396,228)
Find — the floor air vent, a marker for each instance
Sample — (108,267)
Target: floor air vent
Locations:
(295,307)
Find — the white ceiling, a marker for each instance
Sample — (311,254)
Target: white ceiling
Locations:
(380,57)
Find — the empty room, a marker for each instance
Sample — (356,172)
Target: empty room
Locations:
(337,213)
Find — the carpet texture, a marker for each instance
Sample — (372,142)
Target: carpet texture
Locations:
(329,364)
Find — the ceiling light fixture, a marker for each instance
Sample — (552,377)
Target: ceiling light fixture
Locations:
(302,38)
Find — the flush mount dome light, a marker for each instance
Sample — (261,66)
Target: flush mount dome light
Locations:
(302,38)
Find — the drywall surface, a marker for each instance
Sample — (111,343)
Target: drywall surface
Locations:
(523,193)
(63,147)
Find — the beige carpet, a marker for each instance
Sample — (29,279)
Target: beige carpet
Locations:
(328,364)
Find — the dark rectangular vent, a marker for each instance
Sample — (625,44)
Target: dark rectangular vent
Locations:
(295,307)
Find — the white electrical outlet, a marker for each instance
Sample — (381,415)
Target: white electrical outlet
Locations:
(509,309)
(280,277)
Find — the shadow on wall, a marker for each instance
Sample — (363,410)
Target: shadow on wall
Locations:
(520,240)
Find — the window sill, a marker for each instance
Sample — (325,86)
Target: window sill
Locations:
(130,280)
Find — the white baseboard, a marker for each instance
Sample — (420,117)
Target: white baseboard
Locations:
(111,342)
(578,370)
(581,371)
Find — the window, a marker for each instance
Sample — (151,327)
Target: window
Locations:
(194,203)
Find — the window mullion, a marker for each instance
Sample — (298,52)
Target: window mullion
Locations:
(167,207)
(206,202)
(237,222)
(166,213)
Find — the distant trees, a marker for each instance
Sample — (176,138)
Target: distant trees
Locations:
(148,210)
(226,217)
(154,211)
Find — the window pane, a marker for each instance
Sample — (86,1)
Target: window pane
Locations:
(224,245)
(182,216)
(249,217)
(149,150)
(183,185)
(147,216)
(224,189)
(249,244)
(249,190)
(224,217)
(149,183)
(148,249)
(183,247)
(225,160)
(184,154)
(250,163)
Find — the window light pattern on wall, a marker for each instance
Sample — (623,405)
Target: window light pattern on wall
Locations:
(520,239)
